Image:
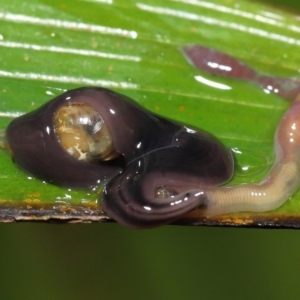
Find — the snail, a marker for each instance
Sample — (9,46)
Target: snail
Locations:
(150,167)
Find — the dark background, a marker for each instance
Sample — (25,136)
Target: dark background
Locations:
(107,261)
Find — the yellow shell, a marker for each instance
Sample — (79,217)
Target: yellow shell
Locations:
(82,132)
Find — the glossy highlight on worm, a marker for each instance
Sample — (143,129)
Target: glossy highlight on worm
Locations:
(152,169)
(284,177)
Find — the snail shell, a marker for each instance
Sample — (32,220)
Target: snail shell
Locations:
(82,132)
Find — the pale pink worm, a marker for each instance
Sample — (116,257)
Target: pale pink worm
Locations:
(283,180)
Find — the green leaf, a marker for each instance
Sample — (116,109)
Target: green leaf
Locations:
(133,47)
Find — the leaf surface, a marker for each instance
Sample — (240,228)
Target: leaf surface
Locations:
(133,47)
